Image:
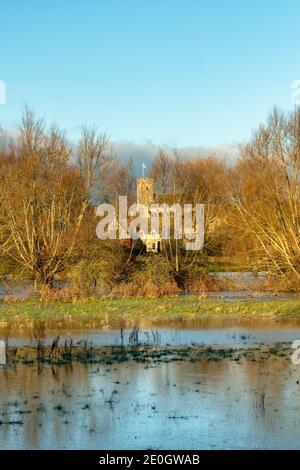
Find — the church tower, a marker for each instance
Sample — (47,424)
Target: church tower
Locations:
(145,191)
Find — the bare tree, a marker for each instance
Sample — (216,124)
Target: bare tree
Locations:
(42,201)
(267,197)
(32,136)
(161,172)
(95,161)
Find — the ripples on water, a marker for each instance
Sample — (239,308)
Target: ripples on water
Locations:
(175,405)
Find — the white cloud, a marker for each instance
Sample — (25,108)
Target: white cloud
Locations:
(144,152)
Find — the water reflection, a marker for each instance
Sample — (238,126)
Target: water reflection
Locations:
(213,332)
(175,405)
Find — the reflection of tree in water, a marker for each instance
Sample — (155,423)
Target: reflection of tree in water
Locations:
(70,404)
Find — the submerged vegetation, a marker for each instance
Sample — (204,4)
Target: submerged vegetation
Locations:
(195,386)
(151,354)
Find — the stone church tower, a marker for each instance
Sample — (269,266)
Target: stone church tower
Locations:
(145,191)
(145,196)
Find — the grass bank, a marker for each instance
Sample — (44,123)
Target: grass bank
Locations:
(103,312)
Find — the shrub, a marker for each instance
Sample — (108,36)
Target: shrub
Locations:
(49,294)
(207,283)
(287,282)
(152,277)
(148,289)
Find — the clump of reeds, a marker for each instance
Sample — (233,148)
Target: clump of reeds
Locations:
(122,335)
(11,354)
(134,336)
(156,336)
(86,349)
(39,334)
(55,349)
(68,348)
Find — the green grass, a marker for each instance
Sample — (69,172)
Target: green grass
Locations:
(106,311)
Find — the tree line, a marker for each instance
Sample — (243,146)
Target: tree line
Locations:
(49,189)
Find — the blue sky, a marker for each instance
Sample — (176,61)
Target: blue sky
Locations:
(175,72)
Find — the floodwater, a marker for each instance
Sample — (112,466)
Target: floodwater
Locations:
(224,404)
(213,330)
(245,336)
(202,405)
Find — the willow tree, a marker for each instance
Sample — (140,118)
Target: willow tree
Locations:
(267,194)
(43,199)
(199,180)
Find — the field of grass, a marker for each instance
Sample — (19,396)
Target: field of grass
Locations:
(108,311)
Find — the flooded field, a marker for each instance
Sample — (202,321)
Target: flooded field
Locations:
(124,375)
(208,331)
(173,336)
(147,396)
